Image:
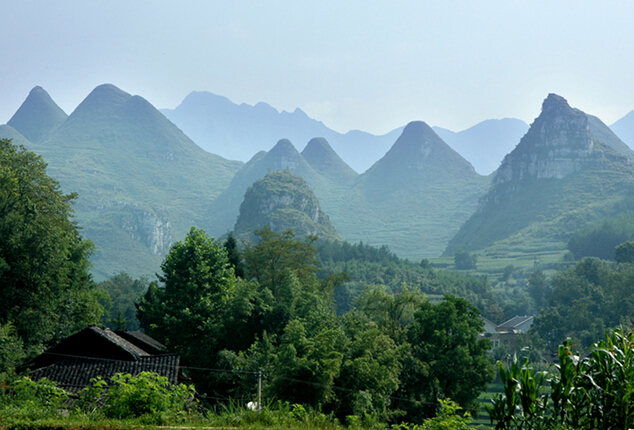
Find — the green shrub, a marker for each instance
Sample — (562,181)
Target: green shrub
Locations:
(28,400)
(146,395)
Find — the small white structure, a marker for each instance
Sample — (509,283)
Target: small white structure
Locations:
(506,332)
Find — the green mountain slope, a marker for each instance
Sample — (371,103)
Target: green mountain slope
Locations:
(223,211)
(8,132)
(283,200)
(141,182)
(415,198)
(560,178)
(38,116)
(325,161)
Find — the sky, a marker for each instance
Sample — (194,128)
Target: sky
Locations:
(354,65)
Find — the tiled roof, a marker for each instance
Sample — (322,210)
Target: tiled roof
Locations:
(142,341)
(74,373)
(514,322)
(118,340)
(90,342)
(96,352)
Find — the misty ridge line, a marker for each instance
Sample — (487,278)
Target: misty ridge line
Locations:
(239,131)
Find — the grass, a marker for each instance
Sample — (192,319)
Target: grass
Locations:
(276,416)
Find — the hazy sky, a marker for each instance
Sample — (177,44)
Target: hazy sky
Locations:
(368,65)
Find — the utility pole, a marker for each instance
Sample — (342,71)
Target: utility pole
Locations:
(259,391)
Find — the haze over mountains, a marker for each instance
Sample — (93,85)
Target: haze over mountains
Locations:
(237,132)
(486,143)
(142,182)
(568,171)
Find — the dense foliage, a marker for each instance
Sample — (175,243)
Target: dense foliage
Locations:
(583,301)
(145,400)
(592,392)
(279,321)
(368,266)
(600,241)
(46,289)
(123,293)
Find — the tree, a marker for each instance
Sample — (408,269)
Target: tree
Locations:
(508,271)
(370,369)
(465,261)
(306,365)
(448,358)
(235,257)
(624,253)
(124,292)
(186,312)
(538,288)
(269,260)
(46,290)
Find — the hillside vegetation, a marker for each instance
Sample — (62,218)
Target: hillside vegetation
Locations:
(141,182)
(560,178)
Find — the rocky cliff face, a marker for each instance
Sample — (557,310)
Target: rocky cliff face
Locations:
(567,170)
(283,201)
(152,230)
(559,143)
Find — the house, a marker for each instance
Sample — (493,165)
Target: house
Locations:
(506,333)
(95,352)
(519,324)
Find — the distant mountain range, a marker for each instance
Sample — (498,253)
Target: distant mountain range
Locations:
(413,199)
(486,143)
(142,182)
(237,132)
(624,128)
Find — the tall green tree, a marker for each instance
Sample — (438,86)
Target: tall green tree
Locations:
(234,254)
(186,311)
(447,358)
(46,289)
(624,253)
(269,261)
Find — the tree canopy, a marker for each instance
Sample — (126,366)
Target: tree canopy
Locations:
(46,289)
(279,321)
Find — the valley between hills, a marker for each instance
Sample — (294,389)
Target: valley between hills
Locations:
(506,192)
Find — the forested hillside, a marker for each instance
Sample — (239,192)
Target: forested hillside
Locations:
(141,182)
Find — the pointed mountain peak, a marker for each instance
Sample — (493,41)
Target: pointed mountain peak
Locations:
(38,116)
(102,100)
(317,145)
(555,104)
(417,128)
(321,157)
(559,142)
(108,93)
(415,135)
(420,148)
(38,91)
(282,146)
(102,105)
